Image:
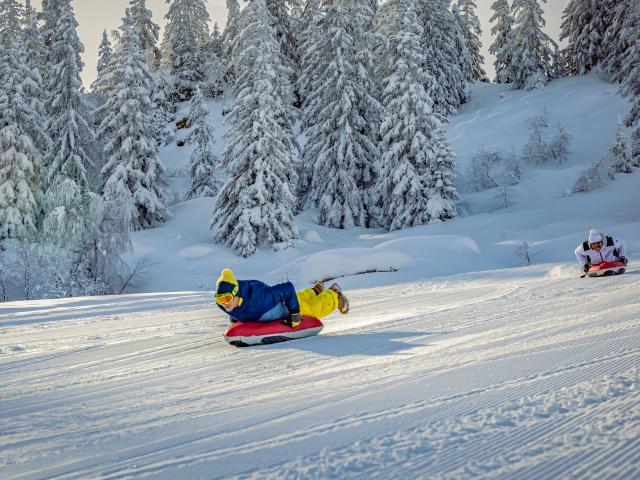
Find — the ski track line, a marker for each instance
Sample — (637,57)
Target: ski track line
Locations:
(467,350)
(287,440)
(428,466)
(76,369)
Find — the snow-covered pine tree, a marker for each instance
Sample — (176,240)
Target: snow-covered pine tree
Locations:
(630,75)
(215,40)
(164,110)
(283,74)
(69,203)
(229,35)
(285,34)
(254,208)
(456,38)
(448,59)
(471,30)
(361,16)
(501,31)
(104,57)
(620,27)
(441,186)
(128,131)
(407,128)
(187,34)
(559,63)
(32,85)
(309,77)
(338,148)
(203,161)
(141,18)
(51,12)
(310,67)
(583,26)
(20,167)
(67,125)
(530,48)
(620,152)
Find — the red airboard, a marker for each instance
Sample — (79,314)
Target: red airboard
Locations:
(606,268)
(244,334)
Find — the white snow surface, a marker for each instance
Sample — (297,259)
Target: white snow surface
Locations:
(455,362)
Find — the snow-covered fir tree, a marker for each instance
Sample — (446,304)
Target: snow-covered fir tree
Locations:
(187,33)
(285,33)
(164,110)
(20,162)
(215,40)
(51,12)
(448,59)
(310,67)
(471,30)
(361,16)
(530,48)
(128,131)
(503,24)
(33,38)
(583,26)
(441,187)
(630,76)
(454,33)
(105,51)
(559,63)
(283,88)
(411,181)
(620,152)
(229,39)
(204,163)
(338,150)
(69,200)
(67,125)
(254,208)
(32,85)
(620,27)
(141,18)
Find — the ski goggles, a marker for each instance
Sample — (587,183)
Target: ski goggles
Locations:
(596,245)
(227,298)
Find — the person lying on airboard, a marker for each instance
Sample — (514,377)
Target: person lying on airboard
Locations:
(600,248)
(255,301)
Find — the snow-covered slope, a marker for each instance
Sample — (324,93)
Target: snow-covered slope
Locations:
(517,373)
(496,118)
(460,363)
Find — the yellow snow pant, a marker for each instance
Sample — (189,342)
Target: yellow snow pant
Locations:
(318,306)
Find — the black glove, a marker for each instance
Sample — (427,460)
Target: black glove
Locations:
(586,267)
(623,260)
(294,320)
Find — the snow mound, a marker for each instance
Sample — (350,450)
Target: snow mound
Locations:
(343,262)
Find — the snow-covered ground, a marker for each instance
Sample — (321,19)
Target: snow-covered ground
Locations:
(463,363)
(519,373)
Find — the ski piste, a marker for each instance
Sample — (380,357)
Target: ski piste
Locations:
(245,334)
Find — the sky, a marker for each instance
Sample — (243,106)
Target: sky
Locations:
(95,16)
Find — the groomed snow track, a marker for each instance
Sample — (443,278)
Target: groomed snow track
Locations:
(521,374)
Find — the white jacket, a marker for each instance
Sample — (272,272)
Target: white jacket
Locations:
(612,249)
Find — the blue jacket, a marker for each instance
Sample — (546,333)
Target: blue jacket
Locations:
(264,303)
